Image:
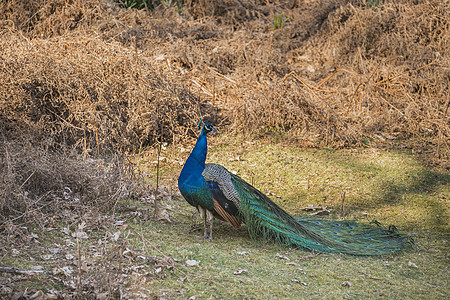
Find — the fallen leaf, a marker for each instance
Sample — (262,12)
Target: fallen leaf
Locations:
(412,265)
(162,158)
(17,295)
(116,236)
(81,226)
(240,271)
(347,283)
(80,235)
(102,296)
(54,250)
(192,262)
(118,223)
(84,266)
(238,158)
(38,295)
(66,270)
(163,215)
(280,256)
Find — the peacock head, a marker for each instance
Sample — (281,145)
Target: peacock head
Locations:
(208,128)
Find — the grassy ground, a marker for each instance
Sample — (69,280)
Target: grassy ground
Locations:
(391,187)
(147,257)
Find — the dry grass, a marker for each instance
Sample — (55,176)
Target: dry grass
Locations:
(335,74)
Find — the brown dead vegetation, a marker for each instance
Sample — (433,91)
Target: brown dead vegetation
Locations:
(100,79)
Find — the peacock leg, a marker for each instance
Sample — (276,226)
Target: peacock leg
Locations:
(211,219)
(202,212)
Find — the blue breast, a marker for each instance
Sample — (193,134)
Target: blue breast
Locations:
(191,183)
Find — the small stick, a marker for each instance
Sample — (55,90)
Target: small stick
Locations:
(161,132)
(96,139)
(79,266)
(270,45)
(214,90)
(370,277)
(328,128)
(446,108)
(155,212)
(342,203)
(27,179)
(26,272)
(85,146)
(387,85)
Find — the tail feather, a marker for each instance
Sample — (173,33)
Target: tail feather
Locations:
(264,218)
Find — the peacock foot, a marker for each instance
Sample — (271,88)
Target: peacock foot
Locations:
(205,237)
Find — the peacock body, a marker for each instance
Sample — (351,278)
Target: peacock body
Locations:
(217,193)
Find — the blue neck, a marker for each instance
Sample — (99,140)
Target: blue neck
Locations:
(195,164)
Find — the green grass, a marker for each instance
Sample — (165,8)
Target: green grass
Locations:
(391,187)
(151,4)
(278,21)
(270,277)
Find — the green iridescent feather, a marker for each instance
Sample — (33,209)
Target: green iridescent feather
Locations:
(265,219)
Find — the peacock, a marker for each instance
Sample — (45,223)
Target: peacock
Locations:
(218,193)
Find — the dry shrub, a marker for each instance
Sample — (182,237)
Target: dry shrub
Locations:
(91,76)
(46,19)
(338,72)
(82,90)
(37,181)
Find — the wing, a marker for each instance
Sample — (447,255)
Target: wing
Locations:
(226,204)
(223,206)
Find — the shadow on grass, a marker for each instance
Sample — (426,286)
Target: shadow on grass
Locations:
(413,185)
(423,191)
